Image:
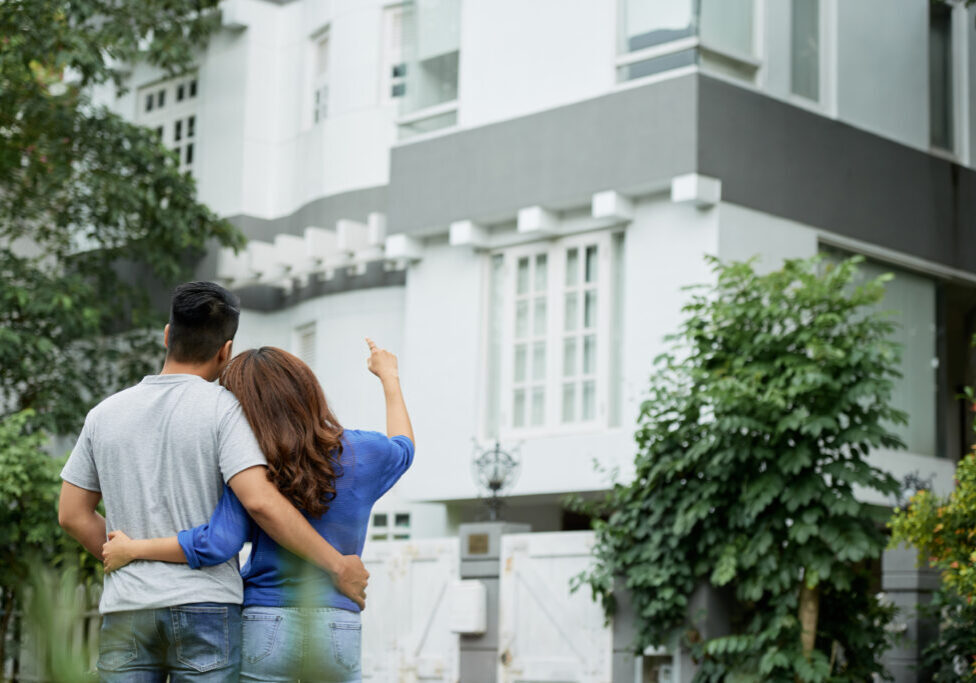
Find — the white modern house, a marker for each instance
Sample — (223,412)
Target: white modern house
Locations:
(510,195)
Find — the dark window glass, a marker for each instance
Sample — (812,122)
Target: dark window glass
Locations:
(189,154)
(191,126)
(179,93)
(161,98)
(399,70)
(379,519)
(149,102)
(159,132)
(178,131)
(398,90)
(402,519)
(940,75)
(193,88)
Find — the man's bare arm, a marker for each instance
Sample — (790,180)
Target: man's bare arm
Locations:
(286,525)
(77,516)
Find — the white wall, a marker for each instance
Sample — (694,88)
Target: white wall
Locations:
(520,57)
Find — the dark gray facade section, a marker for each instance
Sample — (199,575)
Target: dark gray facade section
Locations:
(323,212)
(631,139)
(786,161)
(266,298)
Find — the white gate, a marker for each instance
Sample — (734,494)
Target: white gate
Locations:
(406,637)
(547,633)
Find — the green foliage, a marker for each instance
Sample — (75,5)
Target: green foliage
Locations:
(94,209)
(944,531)
(751,441)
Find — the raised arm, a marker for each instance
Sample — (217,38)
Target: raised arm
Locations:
(289,528)
(383,364)
(77,516)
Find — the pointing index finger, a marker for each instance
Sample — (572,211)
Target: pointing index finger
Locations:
(372,344)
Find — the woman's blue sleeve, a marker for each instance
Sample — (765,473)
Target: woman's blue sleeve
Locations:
(219,539)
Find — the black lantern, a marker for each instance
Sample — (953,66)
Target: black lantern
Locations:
(495,469)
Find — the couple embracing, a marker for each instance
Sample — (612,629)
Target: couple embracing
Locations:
(190,469)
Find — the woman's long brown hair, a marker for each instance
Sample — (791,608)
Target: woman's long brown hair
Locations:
(299,435)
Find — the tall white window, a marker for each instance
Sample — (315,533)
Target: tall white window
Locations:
(305,343)
(320,84)
(555,316)
(941,97)
(169,109)
(663,35)
(393,69)
(805,49)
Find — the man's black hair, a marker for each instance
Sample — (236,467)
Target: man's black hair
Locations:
(203,316)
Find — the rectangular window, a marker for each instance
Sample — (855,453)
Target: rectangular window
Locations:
(431,53)
(805,49)
(663,35)
(555,355)
(178,131)
(193,88)
(160,99)
(393,69)
(320,86)
(191,124)
(305,342)
(149,102)
(189,154)
(941,97)
(180,92)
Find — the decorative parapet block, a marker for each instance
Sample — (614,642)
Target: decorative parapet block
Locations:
(700,190)
(467,233)
(537,219)
(612,206)
(402,250)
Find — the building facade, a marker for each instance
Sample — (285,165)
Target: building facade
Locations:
(510,195)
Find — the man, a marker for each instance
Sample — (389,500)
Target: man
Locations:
(158,454)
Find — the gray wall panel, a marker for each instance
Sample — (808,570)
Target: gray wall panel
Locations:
(632,138)
(781,159)
(322,212)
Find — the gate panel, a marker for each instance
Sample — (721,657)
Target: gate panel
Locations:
(405,626)
(546,633)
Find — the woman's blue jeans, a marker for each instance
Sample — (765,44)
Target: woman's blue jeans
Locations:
(306,644)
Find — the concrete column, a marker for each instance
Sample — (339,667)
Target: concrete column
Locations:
(481,545)
(908,587)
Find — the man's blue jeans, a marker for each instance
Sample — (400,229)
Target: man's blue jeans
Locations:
(195,642)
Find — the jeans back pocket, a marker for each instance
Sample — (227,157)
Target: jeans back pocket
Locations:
(347,644)
(117,641)
(202,636)
(260,635)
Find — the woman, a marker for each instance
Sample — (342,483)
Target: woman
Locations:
(295,624)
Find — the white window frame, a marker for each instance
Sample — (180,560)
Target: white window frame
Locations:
(827,68)
(555,290)
(391,52)
(298,333)
(319,111)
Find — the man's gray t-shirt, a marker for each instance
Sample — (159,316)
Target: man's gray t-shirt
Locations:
(159,453)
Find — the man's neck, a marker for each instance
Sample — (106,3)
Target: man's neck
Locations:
(172,367)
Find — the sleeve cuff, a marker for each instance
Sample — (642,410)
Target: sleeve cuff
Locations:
(185,539)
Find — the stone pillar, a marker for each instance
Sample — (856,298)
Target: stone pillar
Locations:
(625,662)
(481,545)
(908,587)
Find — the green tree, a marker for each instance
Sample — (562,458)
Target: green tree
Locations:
(93,209)
(750,444)
(29,531)
(943,528)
